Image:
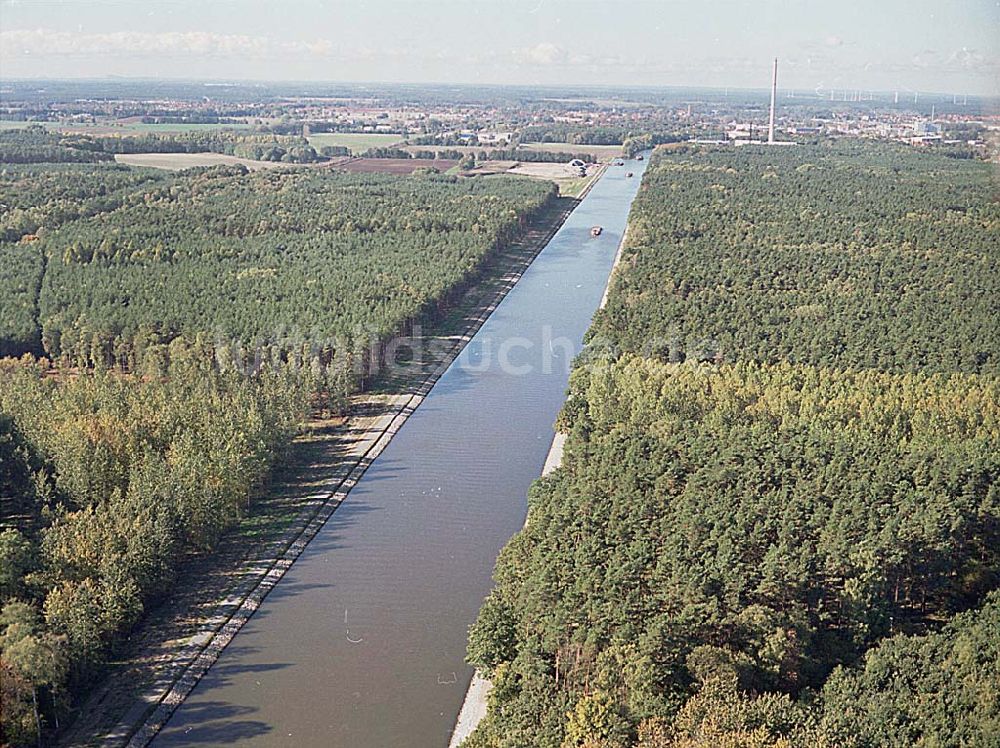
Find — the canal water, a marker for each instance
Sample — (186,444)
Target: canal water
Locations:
(362,642)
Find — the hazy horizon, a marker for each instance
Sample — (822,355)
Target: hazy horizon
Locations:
(896,45)
(234,81)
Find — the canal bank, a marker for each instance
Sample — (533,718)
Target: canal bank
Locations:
(362,642)
(474,707)
(179,640)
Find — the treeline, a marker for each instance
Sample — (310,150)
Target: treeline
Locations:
(528,155)
(445,139)
(107,482)
(401,153)
(240,143)
(576,134)
(645,135)
(635,144)
(34,144)
(759,538)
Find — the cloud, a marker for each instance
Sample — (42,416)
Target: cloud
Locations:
(926,58)
(962,60)
(45,42)
(966,58)
(544,53)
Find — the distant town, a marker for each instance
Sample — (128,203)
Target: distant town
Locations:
(415,118)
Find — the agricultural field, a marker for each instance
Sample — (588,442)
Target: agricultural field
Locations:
(6,124)
(566,177)
(177,161)
(358,142)
(143,128)
(551,171)
(395,165)
(554,172)
(172,127)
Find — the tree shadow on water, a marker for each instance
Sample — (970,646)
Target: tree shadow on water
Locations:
(211,723)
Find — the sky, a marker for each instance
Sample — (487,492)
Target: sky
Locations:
(947,46)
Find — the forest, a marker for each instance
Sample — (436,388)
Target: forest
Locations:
(526,155)
(533,156)
(174,330)
(322,258)
(570,133)
(35,144)
(642,135)
(777,519)
(107,482)
(855,255)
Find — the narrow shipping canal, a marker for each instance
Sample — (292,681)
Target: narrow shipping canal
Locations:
(362,642)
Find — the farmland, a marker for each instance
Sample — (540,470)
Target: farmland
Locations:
(358,142)
(395,165)
(473,149)
(570,183)
(139,128)
(177,161)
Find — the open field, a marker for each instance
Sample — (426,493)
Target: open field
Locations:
(176,161)
(6,124)
(358,142)
(176,127)
(551,171)
(395,165)
(545,170)
(566,177)
(492,167)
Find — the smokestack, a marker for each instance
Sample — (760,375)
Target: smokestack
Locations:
(774,92)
